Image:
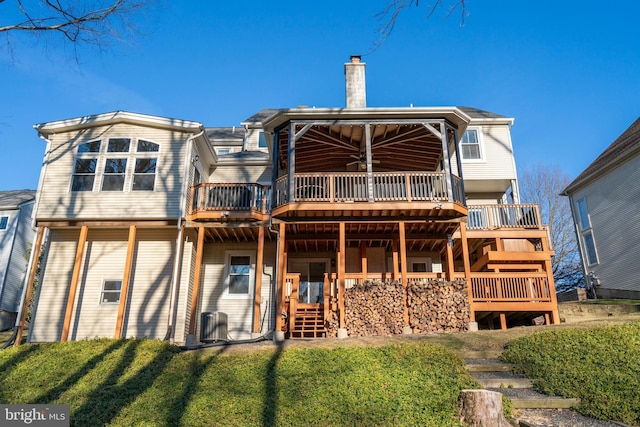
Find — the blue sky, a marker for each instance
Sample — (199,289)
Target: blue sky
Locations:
(566,71)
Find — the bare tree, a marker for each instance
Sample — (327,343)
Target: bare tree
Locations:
(542,184)
(78,22)
(388,17)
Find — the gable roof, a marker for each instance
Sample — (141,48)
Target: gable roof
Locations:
(476,113)
(619,150)
(13,198)
(228,134)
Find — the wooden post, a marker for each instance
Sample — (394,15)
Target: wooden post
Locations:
(281,276)
(32,276)
(77,266)
(126,278)
(503,321)
(259,268)
(555,315)
(403,269)
(363,259)
(394,259)
(341,268)
(467,268)
(195,294)
(450,264)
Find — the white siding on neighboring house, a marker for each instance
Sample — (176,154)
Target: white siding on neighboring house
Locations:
(58,201)
(239,310)
(51,299)
(613,207)
(17,267)
(233,174)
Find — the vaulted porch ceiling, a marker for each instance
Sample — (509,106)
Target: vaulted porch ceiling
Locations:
(339,147)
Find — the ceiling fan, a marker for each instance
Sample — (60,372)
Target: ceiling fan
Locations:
(361,161)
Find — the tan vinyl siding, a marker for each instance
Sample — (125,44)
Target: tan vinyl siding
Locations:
(498,162)
(151,285)
(612,204)
(231,174)
(239,311)
(184,291)
(51,299)
(59,202)
(105,257)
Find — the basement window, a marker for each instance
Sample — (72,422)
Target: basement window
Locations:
(110,292)
(240,272)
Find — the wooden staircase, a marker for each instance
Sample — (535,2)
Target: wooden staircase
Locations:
(308,322)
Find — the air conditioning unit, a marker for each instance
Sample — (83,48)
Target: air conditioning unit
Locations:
(213,327)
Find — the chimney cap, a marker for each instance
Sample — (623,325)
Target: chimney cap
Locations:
(355,59)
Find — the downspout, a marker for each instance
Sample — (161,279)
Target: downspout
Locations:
(178,258)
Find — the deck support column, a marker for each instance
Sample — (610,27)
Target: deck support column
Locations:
(446,160)
(258,291)
(126,278)
(394,258)
(33,268)
(503,321)
(77,266)
(555,315)
(403,269)
(195,294)
(341,267)
(363,260)
(450,264)
(367,134)
(281,276)
(467,268)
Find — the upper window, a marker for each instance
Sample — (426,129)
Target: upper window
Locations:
(240,271)
(583,216)
(4,221)
(84,174)
(223,151)
(588,242)
(110,292)
(470,145)
(262,141)
(117,166)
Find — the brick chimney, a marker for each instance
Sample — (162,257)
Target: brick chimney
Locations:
(355,83)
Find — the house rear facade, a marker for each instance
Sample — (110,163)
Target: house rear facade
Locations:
(301,223)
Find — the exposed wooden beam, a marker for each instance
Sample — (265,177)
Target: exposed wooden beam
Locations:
(126,278)
(195,293)
(75,276)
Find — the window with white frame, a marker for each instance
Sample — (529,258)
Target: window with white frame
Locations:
(584,223)
(262,140)
(4,221)
(84,166)
(471,145)
(240,272)
(112,167)
(110,291)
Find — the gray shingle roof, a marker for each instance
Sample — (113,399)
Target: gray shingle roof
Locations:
(476,113)
(14,198)
(262,115)
(226,133)
(625,144)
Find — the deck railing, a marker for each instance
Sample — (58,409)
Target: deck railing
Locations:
(510,287)
(490,217)
(353,187)
(230,197)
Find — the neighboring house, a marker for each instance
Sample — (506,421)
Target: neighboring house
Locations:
(16,233)
(605,203)
(161,228)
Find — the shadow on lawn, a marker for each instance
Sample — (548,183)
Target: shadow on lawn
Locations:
(270,410)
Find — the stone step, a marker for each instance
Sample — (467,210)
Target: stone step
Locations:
(489,367)
(544,402)
(482,354)
(505,382)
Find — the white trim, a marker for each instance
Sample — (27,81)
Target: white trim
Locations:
(252,273)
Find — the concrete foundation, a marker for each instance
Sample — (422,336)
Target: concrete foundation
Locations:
(278,336)
(342,333)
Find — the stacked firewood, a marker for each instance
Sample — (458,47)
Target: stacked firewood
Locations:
(332,324)
(375,308)
(438,306)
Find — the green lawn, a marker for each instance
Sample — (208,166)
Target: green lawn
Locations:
(599,365)
(140,382)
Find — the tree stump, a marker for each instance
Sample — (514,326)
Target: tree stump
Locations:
(482,408)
